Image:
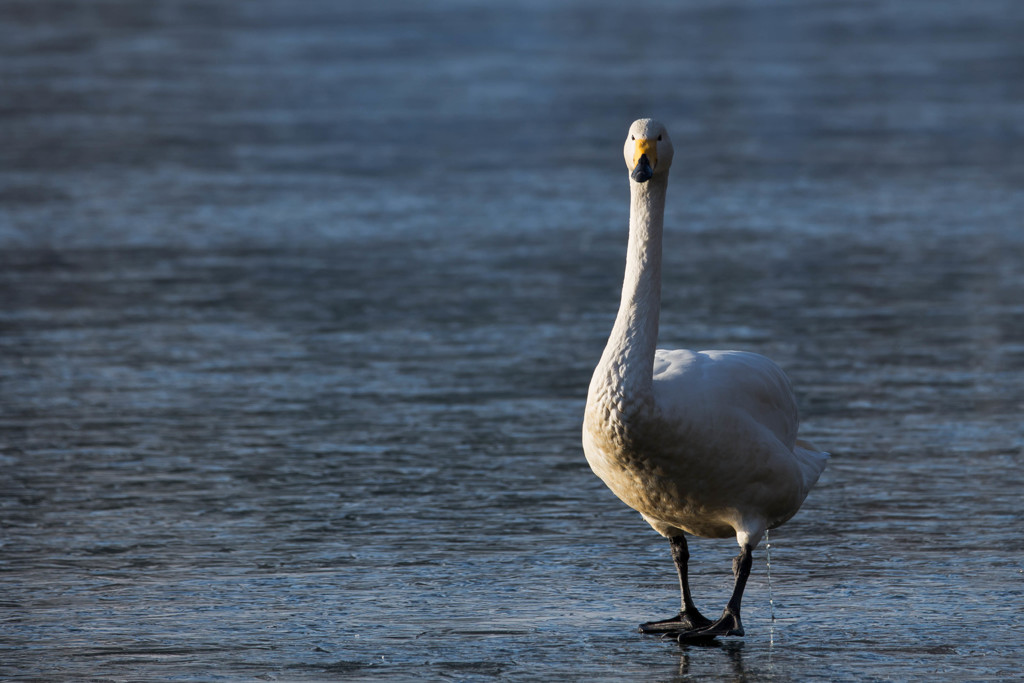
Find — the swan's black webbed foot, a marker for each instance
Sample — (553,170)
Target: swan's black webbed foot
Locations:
(689,617)
(692,621)
(728,625)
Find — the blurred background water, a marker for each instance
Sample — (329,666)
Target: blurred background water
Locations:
(300,302)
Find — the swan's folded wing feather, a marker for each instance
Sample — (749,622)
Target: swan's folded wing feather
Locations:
(708,382)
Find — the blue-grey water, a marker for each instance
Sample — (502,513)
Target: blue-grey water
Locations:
(299,303)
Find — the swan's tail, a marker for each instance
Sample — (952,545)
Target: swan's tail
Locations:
(812,462)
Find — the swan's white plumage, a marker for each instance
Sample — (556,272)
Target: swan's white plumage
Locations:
(698,442)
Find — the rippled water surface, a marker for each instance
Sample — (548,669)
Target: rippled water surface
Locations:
(299,304)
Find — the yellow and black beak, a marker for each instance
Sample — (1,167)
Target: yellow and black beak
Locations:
(645,159)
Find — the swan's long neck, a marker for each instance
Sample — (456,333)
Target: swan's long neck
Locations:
(625,372)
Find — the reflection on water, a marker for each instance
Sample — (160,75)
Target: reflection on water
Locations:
(301,304)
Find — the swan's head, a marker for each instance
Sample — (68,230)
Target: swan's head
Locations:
(648,150)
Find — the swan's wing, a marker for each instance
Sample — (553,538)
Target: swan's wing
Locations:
(710,383)
(733,418)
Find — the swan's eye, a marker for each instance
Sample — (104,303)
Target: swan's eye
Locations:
(632,137)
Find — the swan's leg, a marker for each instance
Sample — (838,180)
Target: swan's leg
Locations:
(689,617)
(729,624)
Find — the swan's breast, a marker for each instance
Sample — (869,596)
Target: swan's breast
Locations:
(641,460)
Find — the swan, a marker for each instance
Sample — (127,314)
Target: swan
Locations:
(698,442)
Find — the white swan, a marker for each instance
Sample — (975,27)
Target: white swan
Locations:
(697,442)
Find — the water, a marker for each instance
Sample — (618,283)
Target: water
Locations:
(300,304)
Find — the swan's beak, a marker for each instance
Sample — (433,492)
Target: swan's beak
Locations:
(645,159)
